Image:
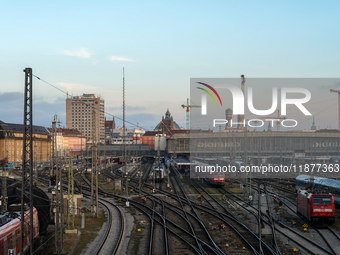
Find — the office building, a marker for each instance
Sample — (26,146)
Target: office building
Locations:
(79,114)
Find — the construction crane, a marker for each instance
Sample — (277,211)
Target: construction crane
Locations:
(188,106)
(337,91)
(278,118)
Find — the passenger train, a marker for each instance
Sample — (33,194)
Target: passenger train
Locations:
(10,231)
(159,171)
(322,184)
(215,178)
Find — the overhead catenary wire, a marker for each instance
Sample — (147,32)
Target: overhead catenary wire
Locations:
(67,94)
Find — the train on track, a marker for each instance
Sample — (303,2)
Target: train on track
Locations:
(10,230)
(216,178)
(321,184)
(317,208)
(210,175)
(159,171)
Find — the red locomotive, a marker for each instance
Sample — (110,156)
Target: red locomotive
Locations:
(216,178)
(317,208)
(10,231)
(120,160)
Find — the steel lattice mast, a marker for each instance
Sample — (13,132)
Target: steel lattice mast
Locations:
(94,172)
(124,147)
(70,197)
(27,167)
(59,224)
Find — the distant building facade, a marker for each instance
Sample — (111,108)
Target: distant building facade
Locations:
(132,136)
(155,139)
(11,143)
(110,124)
(79,113)
(69,142)
(167,124)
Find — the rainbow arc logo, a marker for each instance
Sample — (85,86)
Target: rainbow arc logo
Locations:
(209,93)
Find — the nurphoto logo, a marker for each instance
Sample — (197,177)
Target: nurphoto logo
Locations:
(285,94)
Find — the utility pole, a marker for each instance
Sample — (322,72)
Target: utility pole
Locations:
(41,161)
(337,91)
(35,158)
(124,147)
(70,197)
(4,178)
(27,167)
(52,171)
(242,117)
(104,151)
(94,172)
(159,155)
(168,164)
(140,175)
(59,210)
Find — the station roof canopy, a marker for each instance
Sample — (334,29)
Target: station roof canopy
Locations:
(182,162)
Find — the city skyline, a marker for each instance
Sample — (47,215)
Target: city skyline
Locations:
(83,49)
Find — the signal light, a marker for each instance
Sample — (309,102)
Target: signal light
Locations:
(53,180)
(6,200)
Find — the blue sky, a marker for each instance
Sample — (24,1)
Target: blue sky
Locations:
(82,46)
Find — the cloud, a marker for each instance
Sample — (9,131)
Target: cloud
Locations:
(81,53)
(43,111)
(11,96)
(147,121)
(127,108)
(116,58)
(77,88)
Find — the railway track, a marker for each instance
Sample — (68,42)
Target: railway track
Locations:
(301,239)
(159,213)
(110,241)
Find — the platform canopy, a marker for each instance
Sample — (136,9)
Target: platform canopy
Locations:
(182,162)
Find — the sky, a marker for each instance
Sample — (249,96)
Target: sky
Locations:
(82,47)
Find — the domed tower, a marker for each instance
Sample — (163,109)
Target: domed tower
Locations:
(228,117)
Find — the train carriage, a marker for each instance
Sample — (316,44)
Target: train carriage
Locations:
(159,172)
(213,176)
(321,184)
(10,231)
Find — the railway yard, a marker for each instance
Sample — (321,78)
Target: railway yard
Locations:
(180,215)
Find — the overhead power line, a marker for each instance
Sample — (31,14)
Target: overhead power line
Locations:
(67,94)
